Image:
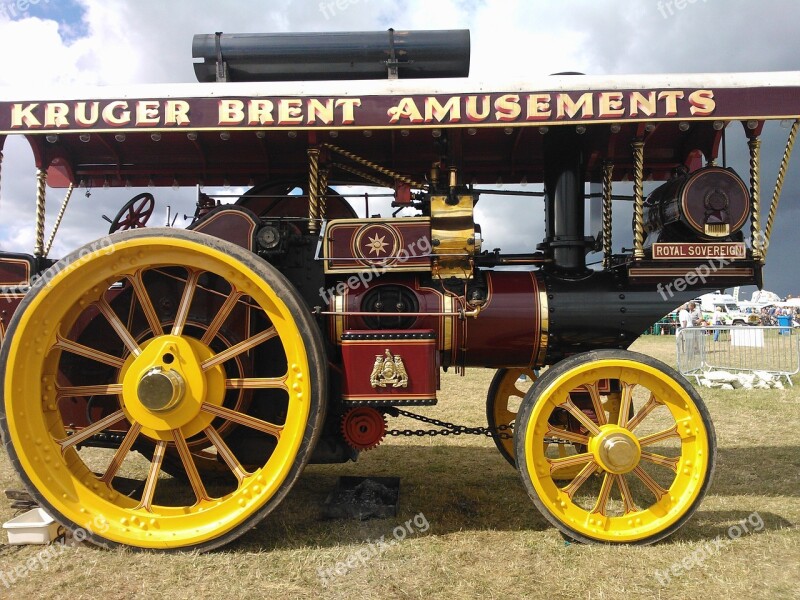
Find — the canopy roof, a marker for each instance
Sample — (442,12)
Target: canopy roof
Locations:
(244,133)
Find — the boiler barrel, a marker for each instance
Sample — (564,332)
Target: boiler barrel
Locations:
(327,56)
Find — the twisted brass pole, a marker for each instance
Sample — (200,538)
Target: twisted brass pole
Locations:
(374,166)
(776,195)
(608,171)
(364,175)
(323,192)
(58,218)
(313,190)
(41,181)
(638,199)
(755,194)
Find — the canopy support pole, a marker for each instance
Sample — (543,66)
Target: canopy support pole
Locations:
(58,218)
(41,191)
(638,199)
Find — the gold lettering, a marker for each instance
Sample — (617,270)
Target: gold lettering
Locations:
(539,107)
(176,112)
(259,112)
(702,103)
(24,116)
(611,104)
(111,117)
(80,113)
(434,110)
(472,108)
(55,114)
(231,112)
(647,104)
(405,109)
(565,107)
(147,112)
(318,109)
(507,108)
(348,109)
(290,111)
(670,99)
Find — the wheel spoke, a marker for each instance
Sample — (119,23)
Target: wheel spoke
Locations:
(87,352)
(242,419)
(658,491)
(152,476)
(581,416)
(556,464)
(605,494)
(118,327)
(225,452)
(87,432)
(570,436)
(653,438)
(670,462)
(580,478)
(221,317)
(147,305)
(186,301)
(643,412)
(597,403)
(89,390)
(188,464)
(625,403)
(625,491)
(121,453)
(254,383)
(239,348)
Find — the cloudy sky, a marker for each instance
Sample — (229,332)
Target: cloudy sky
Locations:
(53,42)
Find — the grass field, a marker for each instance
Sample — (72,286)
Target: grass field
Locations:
(476,534)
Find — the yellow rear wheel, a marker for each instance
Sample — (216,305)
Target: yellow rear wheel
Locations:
(502,403)
(114,329)
(642,471)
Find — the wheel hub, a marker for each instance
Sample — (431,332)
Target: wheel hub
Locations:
(165,387)
(616,450)
(160,390)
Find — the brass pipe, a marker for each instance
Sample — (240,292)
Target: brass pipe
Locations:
(58,218)
(608,171)
(776,195)
(638,199)
(313,190)
(41,191)
(755,194)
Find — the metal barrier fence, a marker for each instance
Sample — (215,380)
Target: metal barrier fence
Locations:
(775,350)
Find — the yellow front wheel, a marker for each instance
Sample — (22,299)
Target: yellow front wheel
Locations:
(125,339)
(642,470)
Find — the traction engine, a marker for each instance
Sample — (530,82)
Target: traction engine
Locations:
(281,328)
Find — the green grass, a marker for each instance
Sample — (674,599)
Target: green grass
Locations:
(485,538)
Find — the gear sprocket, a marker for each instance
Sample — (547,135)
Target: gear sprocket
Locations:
(363,427)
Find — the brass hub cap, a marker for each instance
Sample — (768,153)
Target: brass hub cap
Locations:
(616,450)
(160,390)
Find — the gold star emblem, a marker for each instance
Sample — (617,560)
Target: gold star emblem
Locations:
(377,245)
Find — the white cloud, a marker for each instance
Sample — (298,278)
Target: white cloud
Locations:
(140,41)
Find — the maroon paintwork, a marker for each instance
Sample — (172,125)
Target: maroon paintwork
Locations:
(416,347)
